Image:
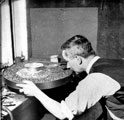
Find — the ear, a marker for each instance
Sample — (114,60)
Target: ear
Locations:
(79,60)
(64,55)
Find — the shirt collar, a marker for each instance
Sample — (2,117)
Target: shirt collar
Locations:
(91,63)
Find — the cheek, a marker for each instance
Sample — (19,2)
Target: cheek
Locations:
(70,65)
(74,65)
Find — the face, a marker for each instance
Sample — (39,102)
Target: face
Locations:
(72,61)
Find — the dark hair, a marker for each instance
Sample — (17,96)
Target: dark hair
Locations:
(84,47)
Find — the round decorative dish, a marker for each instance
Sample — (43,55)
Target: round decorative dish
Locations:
(45,75)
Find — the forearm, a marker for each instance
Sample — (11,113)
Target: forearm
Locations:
(30,89)
(51,105)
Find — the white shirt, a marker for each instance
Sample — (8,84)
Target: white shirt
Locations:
(91,63)
(97,85)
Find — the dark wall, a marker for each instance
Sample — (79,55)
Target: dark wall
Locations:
(62,3)
(110,42)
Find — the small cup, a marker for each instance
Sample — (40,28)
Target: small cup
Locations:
(54,58)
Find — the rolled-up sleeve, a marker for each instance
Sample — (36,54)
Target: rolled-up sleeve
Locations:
(88,92)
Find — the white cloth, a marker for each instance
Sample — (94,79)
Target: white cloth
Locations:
(97,85)
(88,70)
(112,115)
(66,111)
(89,91)
(91,63)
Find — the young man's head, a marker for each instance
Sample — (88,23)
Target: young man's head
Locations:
(75,50)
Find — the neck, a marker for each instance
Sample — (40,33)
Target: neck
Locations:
(87,61)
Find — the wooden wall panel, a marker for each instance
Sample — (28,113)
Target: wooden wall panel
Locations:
(50,27)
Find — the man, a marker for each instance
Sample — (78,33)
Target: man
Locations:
(105,80)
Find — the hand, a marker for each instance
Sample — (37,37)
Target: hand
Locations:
(28,88)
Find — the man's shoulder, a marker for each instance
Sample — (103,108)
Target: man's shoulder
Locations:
(106,61)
